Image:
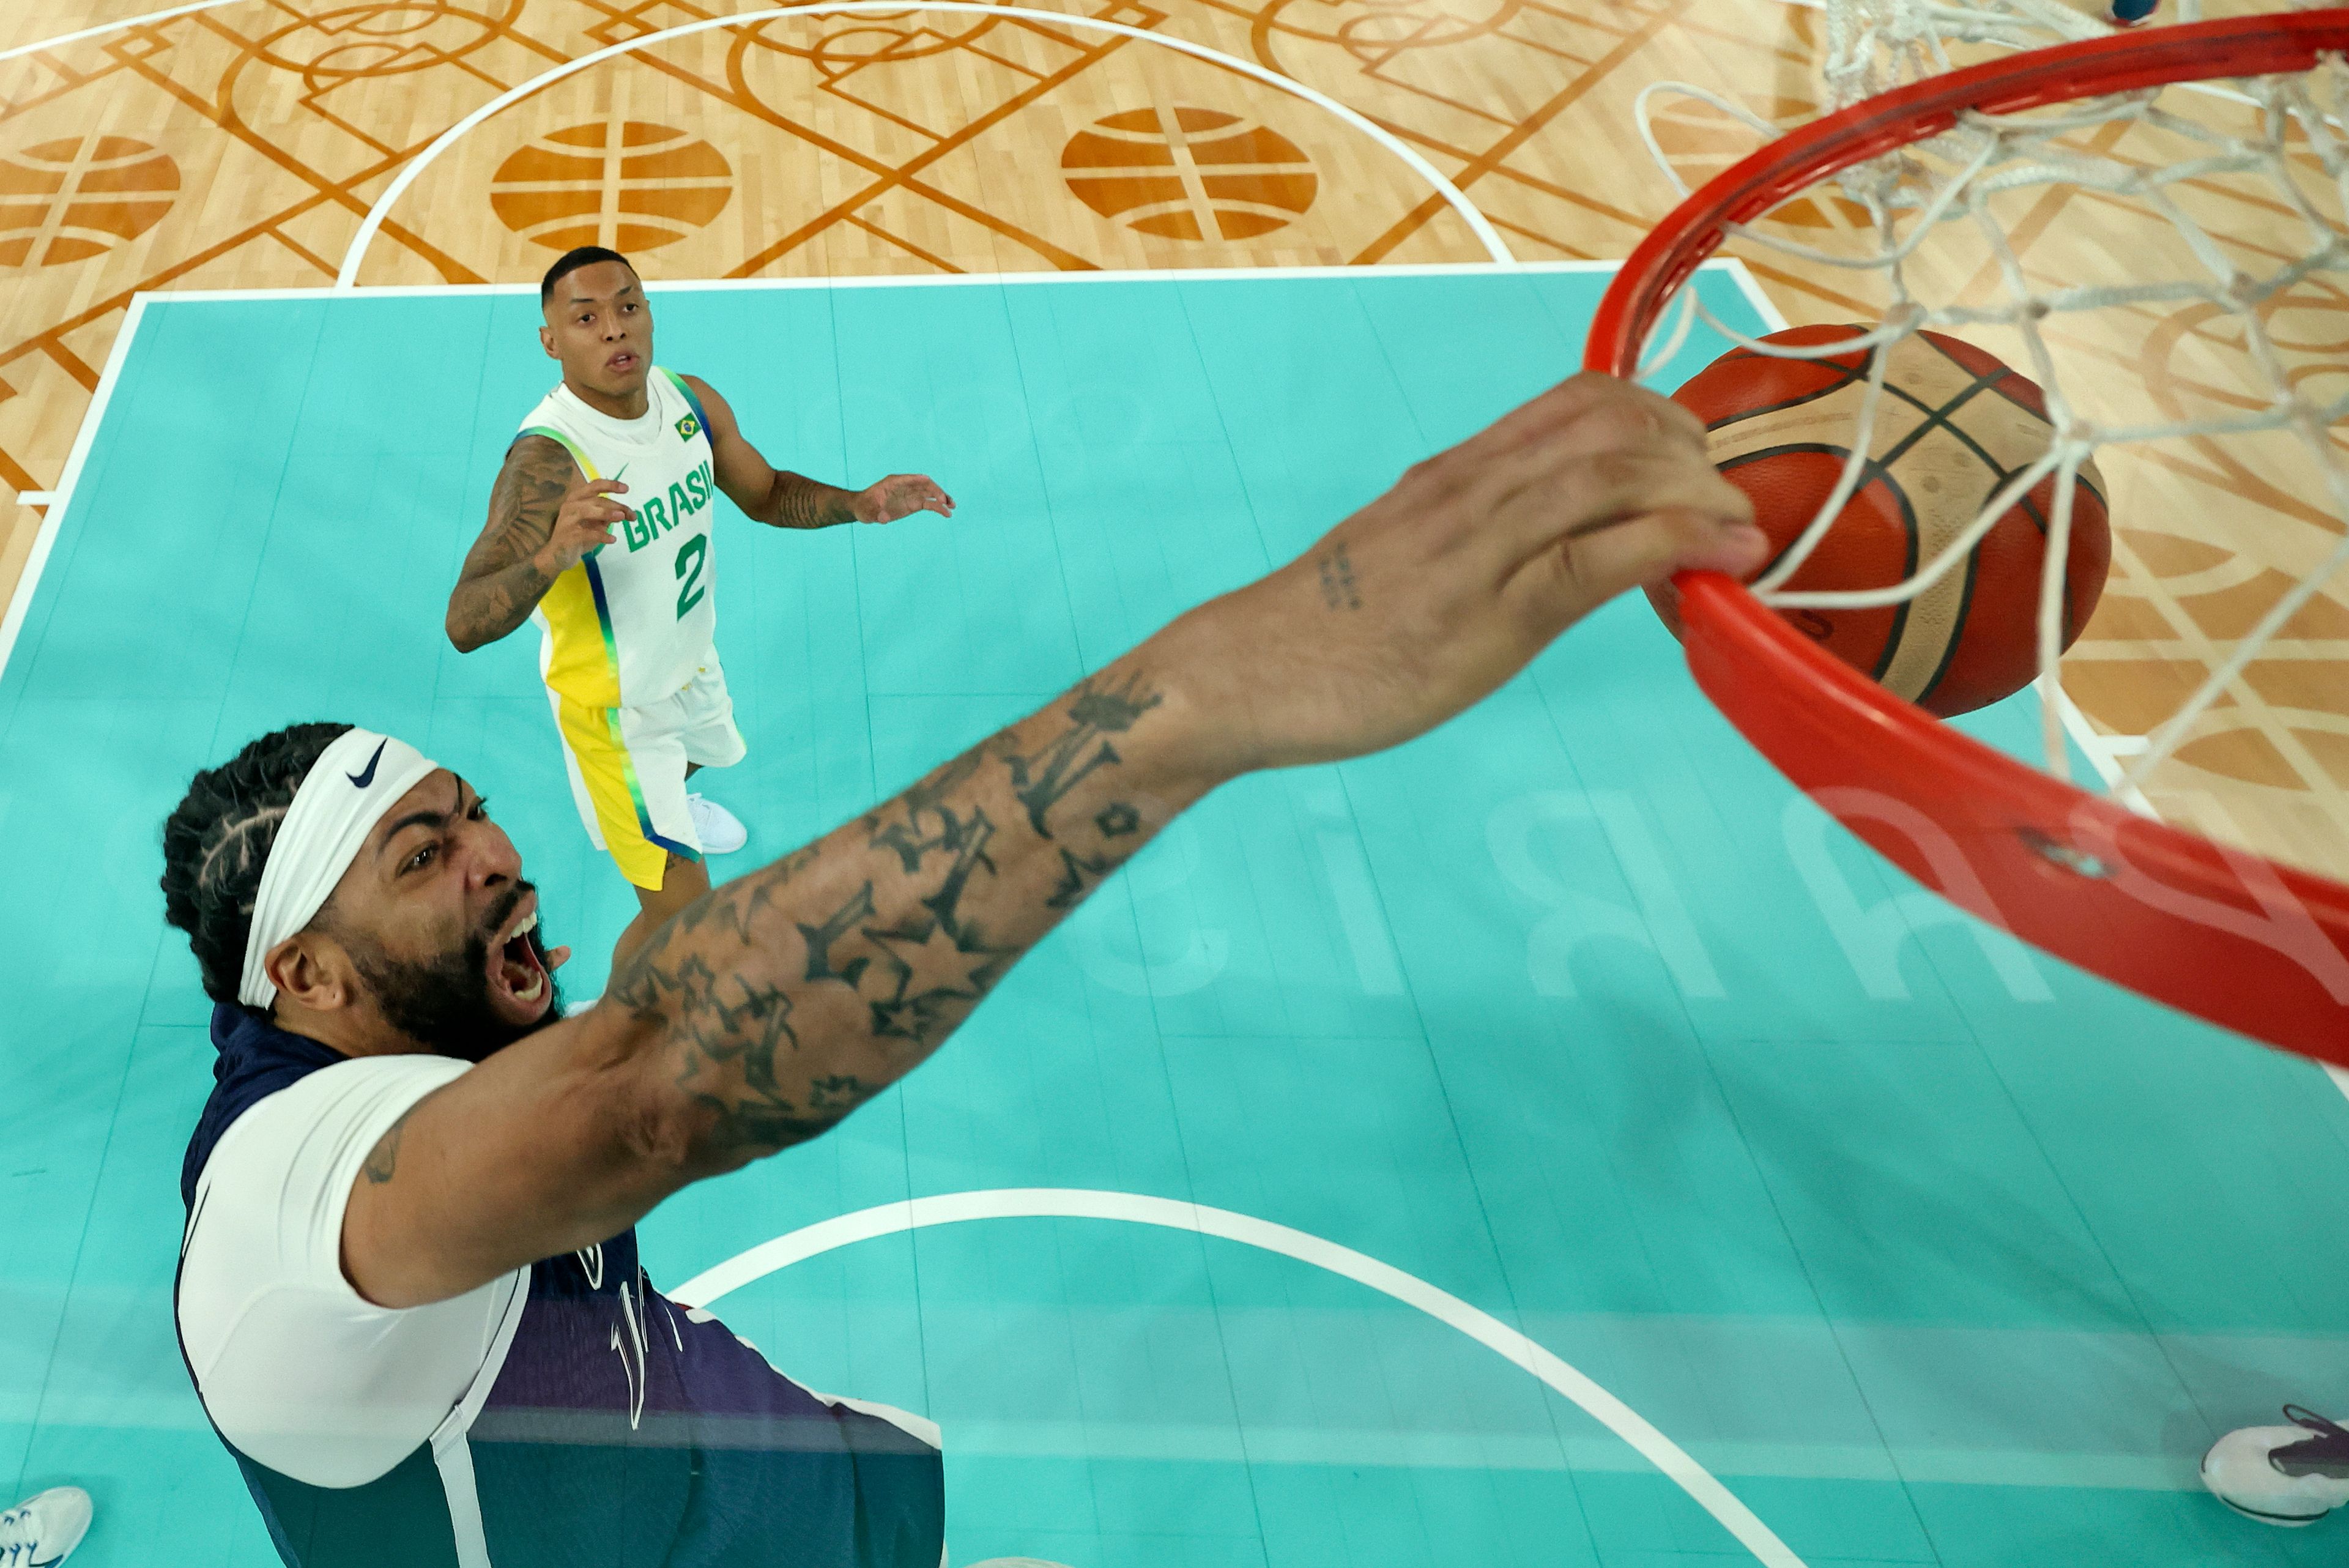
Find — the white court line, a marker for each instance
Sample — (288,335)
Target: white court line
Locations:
(2094,746)
(1764,306)
(21,601)
(1134,1209)
(349,276)
(105,28)
(937,280)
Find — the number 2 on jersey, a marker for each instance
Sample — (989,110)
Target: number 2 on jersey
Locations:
(690,556)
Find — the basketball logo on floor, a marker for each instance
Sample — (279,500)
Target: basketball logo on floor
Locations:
(627,184)
(1189,174)
(80,196)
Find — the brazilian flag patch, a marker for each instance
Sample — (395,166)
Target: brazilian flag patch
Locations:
(688,427)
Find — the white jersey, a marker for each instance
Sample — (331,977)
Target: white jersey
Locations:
(563,1415)
(631,623)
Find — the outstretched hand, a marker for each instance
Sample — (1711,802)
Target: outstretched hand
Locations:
(1435,594)
(901,495)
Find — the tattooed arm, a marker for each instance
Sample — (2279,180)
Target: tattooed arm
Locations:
(775,1005)
(781,1001)
(782,499)
(544,519)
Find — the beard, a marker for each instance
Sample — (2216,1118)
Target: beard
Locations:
(443,1003)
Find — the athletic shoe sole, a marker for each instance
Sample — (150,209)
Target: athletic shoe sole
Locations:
(2284,1521)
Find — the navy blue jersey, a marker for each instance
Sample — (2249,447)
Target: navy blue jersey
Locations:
(606,1424)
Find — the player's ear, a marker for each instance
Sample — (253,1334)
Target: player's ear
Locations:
(304,979)
(546,341)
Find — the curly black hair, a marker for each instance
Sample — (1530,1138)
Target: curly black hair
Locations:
(216,842)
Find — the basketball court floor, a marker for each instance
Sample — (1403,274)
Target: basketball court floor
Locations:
(1550,1143)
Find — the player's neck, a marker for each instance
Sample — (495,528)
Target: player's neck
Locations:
(631,407)
(348,1030)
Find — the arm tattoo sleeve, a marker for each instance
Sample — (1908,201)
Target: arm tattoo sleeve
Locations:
(779,1002)
(502,582)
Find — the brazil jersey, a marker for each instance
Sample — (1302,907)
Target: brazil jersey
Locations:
(632,622)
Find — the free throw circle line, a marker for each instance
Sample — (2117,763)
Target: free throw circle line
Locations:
(1136,1209)
(349,276)
(105,28)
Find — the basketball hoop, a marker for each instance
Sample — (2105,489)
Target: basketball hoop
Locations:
(2230,936)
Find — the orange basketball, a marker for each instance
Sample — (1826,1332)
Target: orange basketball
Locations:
(1952,426)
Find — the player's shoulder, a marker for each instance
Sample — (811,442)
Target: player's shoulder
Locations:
(538,455)
(373,1075)
(705,393)
(345,1098)
(532,445)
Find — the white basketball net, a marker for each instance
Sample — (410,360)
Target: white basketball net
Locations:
(2284,133)
(1875,46)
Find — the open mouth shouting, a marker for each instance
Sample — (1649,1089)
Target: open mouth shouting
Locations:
(517,963)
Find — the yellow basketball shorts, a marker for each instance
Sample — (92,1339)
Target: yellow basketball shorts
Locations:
(627,769)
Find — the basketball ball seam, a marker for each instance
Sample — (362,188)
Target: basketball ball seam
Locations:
(1939,418)
(1944,391)
(1958,630)
(1849,376)
(2029,506)
(2026,503)
(1870,472)
(1947,348)
(2080,478)
(1996,382)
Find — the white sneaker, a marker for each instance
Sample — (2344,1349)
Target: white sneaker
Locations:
(719,830)
(2281,1475)
(45,1528)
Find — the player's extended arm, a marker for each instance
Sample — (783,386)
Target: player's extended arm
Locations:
(776,1004)
(542,518)
(782,499)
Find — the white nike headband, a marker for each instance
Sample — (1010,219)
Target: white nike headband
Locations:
(355,782)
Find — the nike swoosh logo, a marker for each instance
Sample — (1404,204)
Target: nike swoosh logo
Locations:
(619,471)
(366,778)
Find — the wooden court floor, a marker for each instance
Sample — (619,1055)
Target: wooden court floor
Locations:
(241,146)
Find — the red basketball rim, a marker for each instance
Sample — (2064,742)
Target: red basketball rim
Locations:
(2215,932)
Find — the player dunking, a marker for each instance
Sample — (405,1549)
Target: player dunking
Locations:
(623,590)
(410,1294)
